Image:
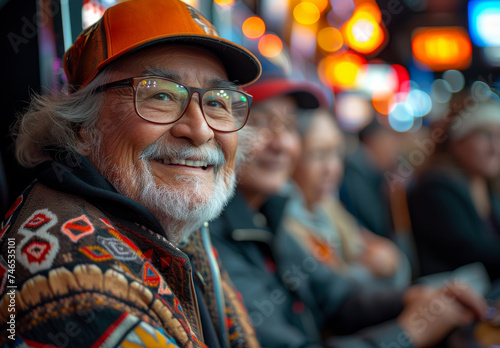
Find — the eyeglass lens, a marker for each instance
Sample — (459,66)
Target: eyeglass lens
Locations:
(164,101)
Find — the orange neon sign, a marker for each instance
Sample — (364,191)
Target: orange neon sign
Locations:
(442,48)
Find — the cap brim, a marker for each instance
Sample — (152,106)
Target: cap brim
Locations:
(308,94)
(241,65)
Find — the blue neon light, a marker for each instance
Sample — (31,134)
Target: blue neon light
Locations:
(484,22)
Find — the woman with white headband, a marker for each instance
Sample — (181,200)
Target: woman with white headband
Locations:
(454,210)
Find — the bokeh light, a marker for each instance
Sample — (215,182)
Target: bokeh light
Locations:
(340,70)
(401,117)
(419,102)
(382,101)
(224,3)
(341,12)
(303,40)
(442,48)
(330,39)
(377,77)
(306,13)
(353,111)
(253,27)
(363,31)
(484,22)
(441,91)
(403,78)
(193,3)
(92,11)
(492,55)
(480,90)
(320,4)
(270,45)
(455,79)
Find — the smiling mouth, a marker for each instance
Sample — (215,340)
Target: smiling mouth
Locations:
(182,162)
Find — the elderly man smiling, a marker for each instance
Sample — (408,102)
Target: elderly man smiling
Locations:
(132,159)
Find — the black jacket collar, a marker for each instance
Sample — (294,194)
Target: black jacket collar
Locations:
(77,176)
(240,220)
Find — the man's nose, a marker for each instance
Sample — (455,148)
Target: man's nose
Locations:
(193,125)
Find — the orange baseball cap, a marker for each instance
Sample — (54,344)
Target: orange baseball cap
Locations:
(136,24)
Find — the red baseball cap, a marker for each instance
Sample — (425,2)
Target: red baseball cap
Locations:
(309,95)
(136,24)
(276,80)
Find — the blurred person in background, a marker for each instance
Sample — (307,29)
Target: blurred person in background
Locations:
(318,219)
(364,190)
(454,211)
(293,300)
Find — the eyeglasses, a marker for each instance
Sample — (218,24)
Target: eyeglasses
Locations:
(163,101)
(323,156)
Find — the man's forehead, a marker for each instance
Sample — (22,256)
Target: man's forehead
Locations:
(176,76)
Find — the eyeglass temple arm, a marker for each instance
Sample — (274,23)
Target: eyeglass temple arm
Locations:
(116,84)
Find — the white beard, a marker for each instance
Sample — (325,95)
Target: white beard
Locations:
(180,208)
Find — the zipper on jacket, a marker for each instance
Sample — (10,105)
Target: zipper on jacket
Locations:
(195,300)
(219,294)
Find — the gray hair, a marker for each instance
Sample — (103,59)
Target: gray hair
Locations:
(246,139)
(55,120)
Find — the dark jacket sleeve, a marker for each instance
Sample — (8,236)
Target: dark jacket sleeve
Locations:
(269,304)
(338,304)
(445,222)
(388,334)
(267,301)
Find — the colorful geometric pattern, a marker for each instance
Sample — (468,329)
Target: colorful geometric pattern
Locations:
(122,268)
(165,261)
(96,253)
(4,226)
(38,249)
(150,276)
(163,288)
(12,209)
(146,336)
(107,223)
(37,221)
(77,228)
(159,251)
(116,311)
(119,250)
(116,331)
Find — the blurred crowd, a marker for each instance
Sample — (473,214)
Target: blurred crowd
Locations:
(382,208)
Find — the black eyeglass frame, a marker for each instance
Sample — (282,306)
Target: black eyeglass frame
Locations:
(134,81)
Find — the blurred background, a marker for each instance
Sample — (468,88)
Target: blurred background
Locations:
(399,61)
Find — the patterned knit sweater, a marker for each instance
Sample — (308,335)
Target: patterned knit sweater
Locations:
(83,266)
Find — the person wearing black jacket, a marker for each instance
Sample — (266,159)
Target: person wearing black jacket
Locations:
(292,299)
(453,204)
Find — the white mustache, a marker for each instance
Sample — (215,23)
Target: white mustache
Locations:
(209,154)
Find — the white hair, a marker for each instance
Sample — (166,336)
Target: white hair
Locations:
(55,120)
